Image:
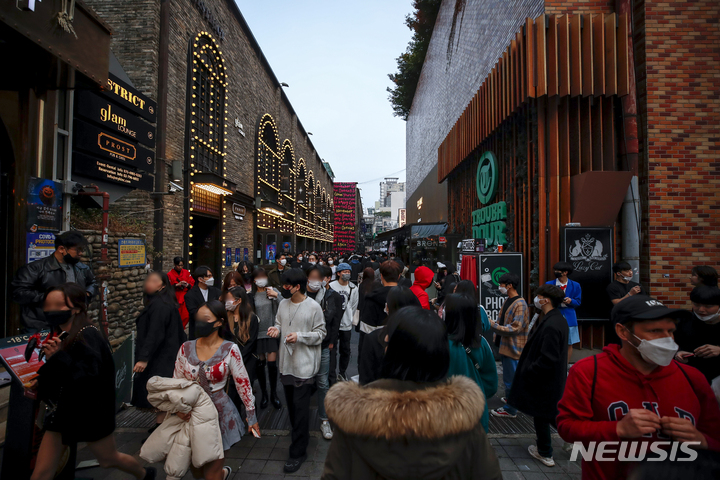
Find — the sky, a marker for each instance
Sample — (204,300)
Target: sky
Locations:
(336,56)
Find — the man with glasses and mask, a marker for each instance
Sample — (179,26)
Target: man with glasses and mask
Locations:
(622,286)
(635,392)
(699,335)
(33,280)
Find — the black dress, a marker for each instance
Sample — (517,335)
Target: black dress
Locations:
(159,337)
(249,356)
(80,381)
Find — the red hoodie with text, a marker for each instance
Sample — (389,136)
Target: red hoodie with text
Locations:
(423,279)
(620,387)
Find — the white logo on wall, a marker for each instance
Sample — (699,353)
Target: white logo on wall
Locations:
(587,249)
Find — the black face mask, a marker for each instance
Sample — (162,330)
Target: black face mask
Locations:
(58,317)
(204,329)
(70,260)
(558,274)
(286,293)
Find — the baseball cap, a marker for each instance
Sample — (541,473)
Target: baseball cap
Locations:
(441,265)
(343,266)
(643,307)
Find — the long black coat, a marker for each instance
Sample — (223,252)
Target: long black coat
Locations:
(542,370)
(194,300)
(159,337)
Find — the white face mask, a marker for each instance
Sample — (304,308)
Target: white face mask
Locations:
(712,318)
(312,263)
(261,282)
(538,305)
(330,262)
(283,262)
(324,283)
(314,285)
(503,290)
(660,351)
(210,282)
(299,259)
(230,306)
(627,279)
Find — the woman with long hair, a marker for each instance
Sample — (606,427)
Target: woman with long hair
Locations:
(470,353)
(374,344)
(210,360)
(366,286)
(77,383)
(246,269)
(429,423)
(265,299)
(243,326)
(159,336)
(232,279)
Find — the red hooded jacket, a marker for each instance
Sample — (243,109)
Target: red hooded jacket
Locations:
(620,387)
(423,279)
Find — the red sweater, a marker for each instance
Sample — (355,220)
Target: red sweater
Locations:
(423,279)
(619,387)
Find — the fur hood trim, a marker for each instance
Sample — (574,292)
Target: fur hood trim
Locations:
(449,408)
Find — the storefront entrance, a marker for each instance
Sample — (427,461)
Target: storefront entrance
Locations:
(205,244)
(6,239)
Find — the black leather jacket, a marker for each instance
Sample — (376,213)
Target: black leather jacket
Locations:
(32,281)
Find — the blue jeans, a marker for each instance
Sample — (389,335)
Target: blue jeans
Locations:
(509,366)
(322,381)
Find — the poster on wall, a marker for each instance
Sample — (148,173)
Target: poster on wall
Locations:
(228,256)
(237,255)
(270,251)
(286,247)
(40,245)
(45,199)
(131,252)
(246,255)
(491,268)
(345,224)
(590,251)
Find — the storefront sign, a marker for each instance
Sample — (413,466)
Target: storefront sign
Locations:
(131,252)
(345,222)
(110,172)
(491,268)
(403,217)
(270,251)
(40,245)
(489,222)
(116,119)
(238,211)
(111,146)
(130,98)
(123,358)
(486,180)
(44,203)
(589,250)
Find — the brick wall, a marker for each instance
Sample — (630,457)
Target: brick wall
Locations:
(681,93)
(563,7)
(469,37)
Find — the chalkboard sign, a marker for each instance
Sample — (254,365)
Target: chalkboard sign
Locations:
(492,266)
(590,251)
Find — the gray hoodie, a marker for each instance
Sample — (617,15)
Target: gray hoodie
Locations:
(300,359)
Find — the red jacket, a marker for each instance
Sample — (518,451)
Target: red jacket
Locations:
(423,279)
(620,387)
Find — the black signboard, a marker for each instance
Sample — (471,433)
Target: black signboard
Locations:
(491,267)
(590,250)
(113,117)
(130,98)
(111,146)
(92,167)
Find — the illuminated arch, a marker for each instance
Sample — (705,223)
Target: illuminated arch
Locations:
(268,156)
(287,173)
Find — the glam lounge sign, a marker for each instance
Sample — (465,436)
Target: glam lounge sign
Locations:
(128,97)
(488,223)
(110,146)
(116,119)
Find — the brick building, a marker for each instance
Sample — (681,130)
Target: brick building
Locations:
(602,113)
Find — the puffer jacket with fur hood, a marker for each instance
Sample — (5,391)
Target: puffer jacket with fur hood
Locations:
(176,441)
(392,429)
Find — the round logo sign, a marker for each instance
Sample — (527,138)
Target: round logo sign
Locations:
(497,273)
(487,178)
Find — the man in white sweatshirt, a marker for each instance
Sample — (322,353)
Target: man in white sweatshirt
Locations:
(300,326)
(350,296)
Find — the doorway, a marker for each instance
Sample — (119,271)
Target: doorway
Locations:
(7,163)
(205,245)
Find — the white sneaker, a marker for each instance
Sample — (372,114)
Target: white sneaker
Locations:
(547,461)
(326,430)
(502,413)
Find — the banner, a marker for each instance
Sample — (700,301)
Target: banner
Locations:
(44,203)
(131,253)
(492,266)
(589,250)
(345,222)
(123,358)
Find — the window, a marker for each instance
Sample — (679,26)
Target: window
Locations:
(287,161)
(300,195)
(207,105)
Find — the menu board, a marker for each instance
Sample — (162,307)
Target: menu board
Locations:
(345,224)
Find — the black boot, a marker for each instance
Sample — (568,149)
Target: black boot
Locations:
(262,379)
(273,373)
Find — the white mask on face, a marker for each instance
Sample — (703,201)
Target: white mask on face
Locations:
(314,285)
(330,262)
(261,282)
(627,279)
(210,282)
(712,318)
(536,302)
(660,351)
(324,283)
(230,306)
(503,290)
(312,263)
(283,262)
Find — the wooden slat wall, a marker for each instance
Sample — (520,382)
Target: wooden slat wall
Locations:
(573,56)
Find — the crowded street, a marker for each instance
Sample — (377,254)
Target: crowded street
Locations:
(389,239)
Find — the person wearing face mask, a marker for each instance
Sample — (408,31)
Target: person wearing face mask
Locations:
(622,286)
(511,332)
(300,326)
(266,301)
(542,370)
(333,268)
(78,378)
(203,291)
(211,360)
(31,281)
(572,300)
(182,282)
(275,275)
(245,270)
(351,297)
(159,336)
(636,392)
(244,327)
(699,335)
